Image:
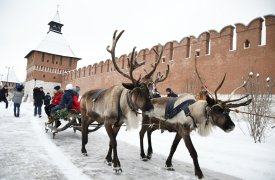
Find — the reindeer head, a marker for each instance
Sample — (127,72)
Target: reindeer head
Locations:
(138,95)
(217,110)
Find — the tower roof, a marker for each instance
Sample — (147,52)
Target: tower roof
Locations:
(12,77)
(54,42)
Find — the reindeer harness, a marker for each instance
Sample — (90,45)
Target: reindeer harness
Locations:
(171,111)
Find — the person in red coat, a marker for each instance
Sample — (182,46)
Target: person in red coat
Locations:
(57,96)
(76,104)
(55,101)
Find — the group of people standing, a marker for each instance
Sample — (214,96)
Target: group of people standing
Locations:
(62,99)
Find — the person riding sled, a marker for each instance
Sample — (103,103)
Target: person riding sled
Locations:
(58,93)
(69,101)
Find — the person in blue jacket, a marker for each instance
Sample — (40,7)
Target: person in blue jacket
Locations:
(67,99)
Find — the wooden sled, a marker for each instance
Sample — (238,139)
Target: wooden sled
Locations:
(73,120)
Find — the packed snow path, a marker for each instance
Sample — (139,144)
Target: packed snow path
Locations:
(28,152)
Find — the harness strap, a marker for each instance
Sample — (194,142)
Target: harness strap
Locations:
(170,112)
(169,108)
(130,104)
(97,94)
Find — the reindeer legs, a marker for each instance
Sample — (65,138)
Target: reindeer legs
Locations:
(150,148)
(84,135)
(144,127)
(112,132)
(194,155)
(108,158)
(174,146)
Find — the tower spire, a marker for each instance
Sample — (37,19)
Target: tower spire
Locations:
(55,24)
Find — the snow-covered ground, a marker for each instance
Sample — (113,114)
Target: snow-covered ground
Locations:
(28,152)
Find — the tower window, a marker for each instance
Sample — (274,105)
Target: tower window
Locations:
(163,59)
(44,76)
(54,77)
(246,44)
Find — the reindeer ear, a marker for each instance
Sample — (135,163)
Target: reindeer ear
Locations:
(210,100)
(129,86)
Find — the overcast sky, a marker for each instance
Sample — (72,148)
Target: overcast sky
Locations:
(89,25)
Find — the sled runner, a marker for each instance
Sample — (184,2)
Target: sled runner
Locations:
(72,119)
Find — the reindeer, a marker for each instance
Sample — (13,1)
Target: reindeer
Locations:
(118,104)
(183,115)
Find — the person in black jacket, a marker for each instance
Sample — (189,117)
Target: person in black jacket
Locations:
(4,94)
(38,96)
(47,100)
(170,93)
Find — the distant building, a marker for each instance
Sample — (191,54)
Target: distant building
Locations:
(52,57)
(9,79)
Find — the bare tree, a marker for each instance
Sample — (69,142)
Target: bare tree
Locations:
(259,110)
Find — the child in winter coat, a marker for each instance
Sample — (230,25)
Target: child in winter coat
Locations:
(17,99)
(47,100)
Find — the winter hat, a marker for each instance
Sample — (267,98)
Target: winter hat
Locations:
(57,87)
(69,86)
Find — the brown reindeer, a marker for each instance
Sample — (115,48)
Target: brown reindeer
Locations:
(183,115)
(117,105)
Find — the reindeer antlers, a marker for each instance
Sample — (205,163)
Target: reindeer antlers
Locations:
(156,63)
(229,105)
(131,62)
(160,78)
(196,70)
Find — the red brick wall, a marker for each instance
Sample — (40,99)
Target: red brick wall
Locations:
(216,58)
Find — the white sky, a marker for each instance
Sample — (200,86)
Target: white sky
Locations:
(89,25)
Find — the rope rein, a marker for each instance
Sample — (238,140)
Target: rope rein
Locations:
(238,111)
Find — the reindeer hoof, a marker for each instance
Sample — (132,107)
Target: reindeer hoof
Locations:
(199,175)
(84,154)
(170,168)
(117,170)
(149,156)
(109,163)
(144,159)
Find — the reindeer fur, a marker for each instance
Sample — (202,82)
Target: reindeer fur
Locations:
(197,110)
